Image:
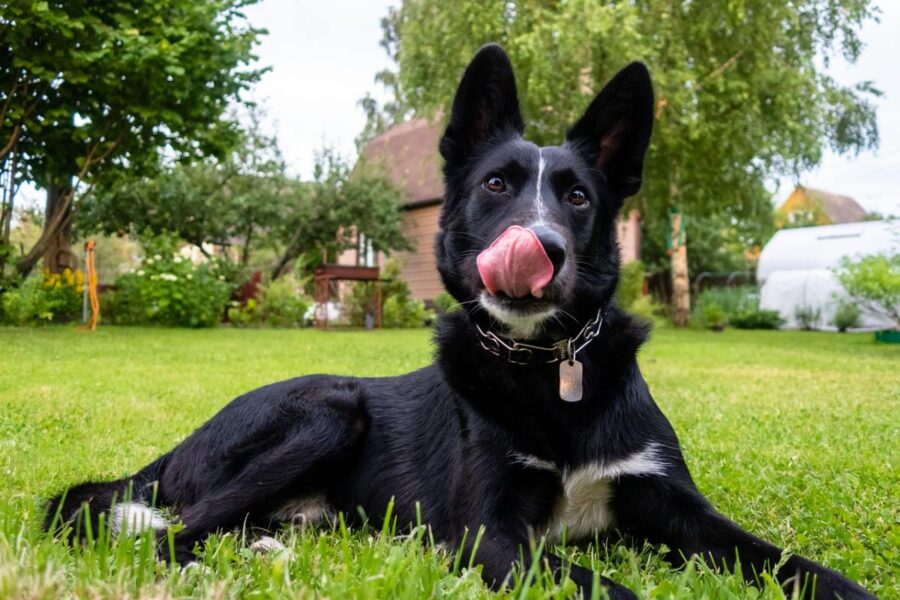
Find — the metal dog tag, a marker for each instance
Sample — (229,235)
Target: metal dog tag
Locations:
(570,388)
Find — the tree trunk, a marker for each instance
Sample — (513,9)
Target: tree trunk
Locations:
(58,253)
(55,243)
(681,290)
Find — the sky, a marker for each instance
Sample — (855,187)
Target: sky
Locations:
(324,56)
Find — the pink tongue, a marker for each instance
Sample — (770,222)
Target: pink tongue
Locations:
(515,264)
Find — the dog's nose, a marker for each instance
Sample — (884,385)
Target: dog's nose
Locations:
(554,245)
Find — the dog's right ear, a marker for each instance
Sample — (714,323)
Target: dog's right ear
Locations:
(485,107)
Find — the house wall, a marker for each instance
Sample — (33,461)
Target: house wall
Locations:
(420,225)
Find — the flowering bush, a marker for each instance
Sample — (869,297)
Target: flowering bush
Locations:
(167,289)
(281,303)
(50,297)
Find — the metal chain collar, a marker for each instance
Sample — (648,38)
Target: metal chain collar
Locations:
(520,353)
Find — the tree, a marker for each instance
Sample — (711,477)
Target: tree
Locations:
(326,216)
(233,201)
(88,87)
(874,282)
(740,96)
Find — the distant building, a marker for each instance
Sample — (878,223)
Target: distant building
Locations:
(807,207)
(409,154)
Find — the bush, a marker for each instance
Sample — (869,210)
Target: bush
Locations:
(846,316)
(714,316)
(754,318)
(808,317)
(731,300)
(52,297)
(398,308)
(874,282)
(445,303)
(282,303)
(631,284)
(170,290)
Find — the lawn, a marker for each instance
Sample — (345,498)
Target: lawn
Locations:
(794,435)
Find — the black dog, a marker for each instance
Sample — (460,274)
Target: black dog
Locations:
(556,435)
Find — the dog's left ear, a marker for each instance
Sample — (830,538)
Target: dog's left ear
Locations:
(486,106)
(615,130)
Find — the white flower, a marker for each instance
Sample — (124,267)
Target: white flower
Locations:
(177,260)
(190,275)
(157,257)
(169,277)
(140,273)
(221,278)
(154,277)
(149,261)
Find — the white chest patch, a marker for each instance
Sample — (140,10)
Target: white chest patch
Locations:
(585,506)
(301,512)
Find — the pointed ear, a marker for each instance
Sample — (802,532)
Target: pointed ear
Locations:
(485,107)
(615,130)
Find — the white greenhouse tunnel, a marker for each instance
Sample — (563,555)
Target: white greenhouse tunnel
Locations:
(796,268)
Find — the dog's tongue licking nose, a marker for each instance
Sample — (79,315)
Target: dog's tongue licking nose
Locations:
(515,264)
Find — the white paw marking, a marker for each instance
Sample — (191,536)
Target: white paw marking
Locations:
(132,517)
(301,512)
(266,544)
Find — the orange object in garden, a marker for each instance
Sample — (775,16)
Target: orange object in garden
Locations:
(91,281)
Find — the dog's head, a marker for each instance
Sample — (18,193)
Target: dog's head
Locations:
(527,233)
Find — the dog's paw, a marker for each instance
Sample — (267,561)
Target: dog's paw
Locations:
(266,545)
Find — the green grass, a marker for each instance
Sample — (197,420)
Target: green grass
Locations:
(793,435)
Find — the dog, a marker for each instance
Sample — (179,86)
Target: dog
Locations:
(533,422)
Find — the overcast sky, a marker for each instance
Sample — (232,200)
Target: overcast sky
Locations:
(324,56)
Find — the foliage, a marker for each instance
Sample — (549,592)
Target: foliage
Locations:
(326,216)
(846,316)
(282,303)
(51,297)
(91,88)
(756,318)
(730,299)
(445,303)
(714,316)
(169,290)
(631,284)
(398,307)
(741,94)
(206,202)
(874,282)
(727,395)
(808,317)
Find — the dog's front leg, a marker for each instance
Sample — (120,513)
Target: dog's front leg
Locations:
(498,555)
(673,512)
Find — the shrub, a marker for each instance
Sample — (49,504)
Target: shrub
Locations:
(730,300)
(631,284)
(874,282)
(846,316)
(398,308)
(50,297)
(244,315)
(169,290)
(282,303)
(808,317)
(445,303)
(714,316)
(754,318)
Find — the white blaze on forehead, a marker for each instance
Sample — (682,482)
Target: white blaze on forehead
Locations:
(538,200)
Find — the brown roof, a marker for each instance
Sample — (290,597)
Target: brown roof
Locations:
(409,152)
(841,209)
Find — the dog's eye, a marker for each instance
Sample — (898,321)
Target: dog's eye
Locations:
(494,183)
(578,197)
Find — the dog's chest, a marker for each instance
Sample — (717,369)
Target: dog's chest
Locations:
(586,504)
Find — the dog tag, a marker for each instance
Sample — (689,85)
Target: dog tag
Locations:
(570,380)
